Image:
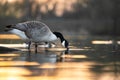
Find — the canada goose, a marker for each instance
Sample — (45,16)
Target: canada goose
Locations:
(35,31)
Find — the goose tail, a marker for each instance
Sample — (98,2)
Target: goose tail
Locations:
(8,28)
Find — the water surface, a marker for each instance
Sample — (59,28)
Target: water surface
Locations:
(94,58)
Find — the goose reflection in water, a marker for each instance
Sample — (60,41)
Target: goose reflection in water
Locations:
(46,56)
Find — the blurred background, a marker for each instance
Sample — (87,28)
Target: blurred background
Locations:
(94,17)
(90,26)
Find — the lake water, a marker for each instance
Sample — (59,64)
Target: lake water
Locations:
(89,58)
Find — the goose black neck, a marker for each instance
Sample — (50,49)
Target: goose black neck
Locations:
(59,35)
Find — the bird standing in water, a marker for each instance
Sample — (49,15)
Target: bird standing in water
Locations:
(37,32)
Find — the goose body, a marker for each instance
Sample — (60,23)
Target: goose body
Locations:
(35,31)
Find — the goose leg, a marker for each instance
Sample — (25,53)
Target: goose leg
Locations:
(49,44)
(29,43)
(36,47)
(46,47)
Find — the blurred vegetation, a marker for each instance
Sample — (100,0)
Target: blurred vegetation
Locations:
(75,16)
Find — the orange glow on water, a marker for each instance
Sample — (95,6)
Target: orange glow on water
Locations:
(74,56)
(101,42)
(18,63)
(63,71)
(11,55)
(87,67)
(13,45)
(82,65)
(8,36)
(118,42)
(17,70)
(13,71)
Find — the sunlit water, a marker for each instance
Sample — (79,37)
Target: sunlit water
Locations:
(88,59)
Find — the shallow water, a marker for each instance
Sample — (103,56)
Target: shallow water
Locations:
(95,58)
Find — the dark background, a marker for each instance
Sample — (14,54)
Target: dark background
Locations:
(94,17)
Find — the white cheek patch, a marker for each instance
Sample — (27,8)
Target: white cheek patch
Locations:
(63,43)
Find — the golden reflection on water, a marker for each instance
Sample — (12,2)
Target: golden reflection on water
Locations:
(5,59)
(71,49)
(13,45)
(20,69)
(8,36)
(101,42)
(74,56)
(13,71)
(17,63)
(50,71)
(82,65)
(9,54)
(118,42)
(108,76)
(57,71)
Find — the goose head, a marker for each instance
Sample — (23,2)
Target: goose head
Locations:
(64,42)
